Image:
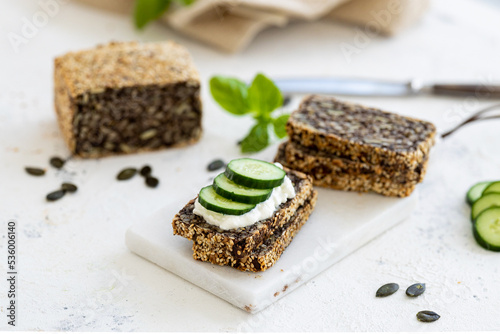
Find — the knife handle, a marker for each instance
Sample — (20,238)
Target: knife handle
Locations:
(479,91)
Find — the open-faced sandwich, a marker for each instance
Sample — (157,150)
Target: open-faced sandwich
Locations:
(248,216)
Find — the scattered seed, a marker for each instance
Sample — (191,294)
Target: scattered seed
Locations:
(69,187)
(387,290)
(57,162)
(55,195)
(152,181)
(126,174)
(427,316)
(415,290)
(215,165)
(35,171)
(286,100)
(146,171)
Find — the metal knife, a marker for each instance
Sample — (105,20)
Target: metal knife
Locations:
(368,87)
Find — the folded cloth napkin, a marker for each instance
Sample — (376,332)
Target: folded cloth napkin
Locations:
(232,24)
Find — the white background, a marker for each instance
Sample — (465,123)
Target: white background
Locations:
(72,251)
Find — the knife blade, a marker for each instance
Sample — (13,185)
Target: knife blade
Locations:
(371,87)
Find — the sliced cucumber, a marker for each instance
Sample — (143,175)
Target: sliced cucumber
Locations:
(476,191)
(254,173)
(228,189)
(483,203)
(214,202)
(487,229)
(493,187)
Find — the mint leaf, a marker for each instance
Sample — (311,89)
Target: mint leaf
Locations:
(263,95)
(148,10)
(230,93)
(279,125)
(257,139)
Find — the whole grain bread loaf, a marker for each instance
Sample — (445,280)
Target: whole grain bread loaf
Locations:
(127,97)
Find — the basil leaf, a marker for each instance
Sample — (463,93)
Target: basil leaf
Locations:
(257,139)
(279,125)
(148,10)
(186,2)
(263,95)
(230,93)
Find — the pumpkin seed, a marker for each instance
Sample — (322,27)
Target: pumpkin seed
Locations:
(126,174)
(35,171)
(286,100)
(69,187)
(387,290)
(57,162)
(427,316)
(215,165)
(55,195)
(146,171)
(415,290)
(152,181)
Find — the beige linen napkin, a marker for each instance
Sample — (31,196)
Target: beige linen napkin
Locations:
(232,24)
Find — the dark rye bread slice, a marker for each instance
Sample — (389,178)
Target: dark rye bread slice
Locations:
(127,97)
(238,243)
(266,255)
(327,174)
(311,161)
(360,133)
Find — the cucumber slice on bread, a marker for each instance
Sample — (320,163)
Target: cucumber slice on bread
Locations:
(254,173)
(235,192)
(212,201)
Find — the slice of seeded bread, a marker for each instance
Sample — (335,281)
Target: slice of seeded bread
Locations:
(266,255)
(360,133)
(337,174)
(230,246)
(311,161)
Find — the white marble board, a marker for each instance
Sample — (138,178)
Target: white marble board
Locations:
(341,223)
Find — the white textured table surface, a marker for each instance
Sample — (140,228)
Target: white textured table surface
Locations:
(75,270)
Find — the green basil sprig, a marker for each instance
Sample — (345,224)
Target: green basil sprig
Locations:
(146,11)
(259,100)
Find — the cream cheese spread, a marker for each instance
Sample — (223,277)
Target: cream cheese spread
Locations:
(263,210)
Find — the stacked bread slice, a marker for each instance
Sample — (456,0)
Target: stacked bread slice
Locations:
(348,146)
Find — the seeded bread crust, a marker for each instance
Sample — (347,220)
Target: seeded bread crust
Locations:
(266,255)
(329,173)
(360,133)
(127,97)
(229,247)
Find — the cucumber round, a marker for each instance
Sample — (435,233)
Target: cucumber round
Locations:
(483,203)
(214,202)
(493,187)
(476,191)
(487,229)
(254,173)
(238,193)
